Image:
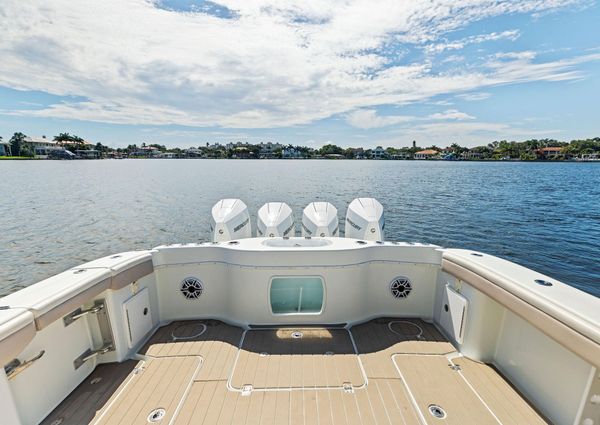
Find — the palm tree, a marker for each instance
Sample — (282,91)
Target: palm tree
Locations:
(16,144)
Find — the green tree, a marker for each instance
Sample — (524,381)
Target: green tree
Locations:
(161,148)
(331,149)
(68,138)
(17,144)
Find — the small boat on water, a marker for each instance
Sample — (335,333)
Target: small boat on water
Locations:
(277,329)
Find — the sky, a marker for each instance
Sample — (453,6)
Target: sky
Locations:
(349,72)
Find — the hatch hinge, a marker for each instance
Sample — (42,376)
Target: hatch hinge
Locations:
(74,315)
(90,354)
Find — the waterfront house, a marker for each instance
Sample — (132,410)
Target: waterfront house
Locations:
(193,153)
(168,155)
(549,152)
(41,146)
(4,148)
(471,155)
(38,142)
(291,153)
(267,150)
(146,151)
(87,154)
(426,154)
(379,153)
(73,145)
(357,153)
(402,155)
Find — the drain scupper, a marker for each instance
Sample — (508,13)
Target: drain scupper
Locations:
(436,411)
(156,415)
(297,334)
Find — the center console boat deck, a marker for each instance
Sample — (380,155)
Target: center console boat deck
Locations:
(318,329)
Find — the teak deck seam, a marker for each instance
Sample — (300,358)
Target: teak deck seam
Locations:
(394,360)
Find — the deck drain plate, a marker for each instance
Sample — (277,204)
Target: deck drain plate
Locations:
(95,380)
(297,334)
(188,331)
(436,411)
(156,415)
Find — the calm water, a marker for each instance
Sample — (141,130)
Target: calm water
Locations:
(57,214)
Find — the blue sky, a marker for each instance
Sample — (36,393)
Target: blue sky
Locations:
(358,73)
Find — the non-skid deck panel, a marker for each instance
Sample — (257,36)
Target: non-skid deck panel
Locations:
(379,339)
(434,380)
(91,395)
(189,379)
(216,342)
(382,402)
(160,383)
(508,405)
(314,358)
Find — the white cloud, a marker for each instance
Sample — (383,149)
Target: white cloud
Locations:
(368,118)
(475,39)
(451,114)
(464,133)
(474,96)
(276,64)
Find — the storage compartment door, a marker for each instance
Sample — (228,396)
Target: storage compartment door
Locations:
(138,320)
(454,314)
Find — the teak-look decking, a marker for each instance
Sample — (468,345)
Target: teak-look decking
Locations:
(386,371)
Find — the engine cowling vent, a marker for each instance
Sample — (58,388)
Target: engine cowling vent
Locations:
(400,287)
(191,288)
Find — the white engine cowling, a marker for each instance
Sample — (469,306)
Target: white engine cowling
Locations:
(320,219)
(364,219)
(230,220)
(275,219)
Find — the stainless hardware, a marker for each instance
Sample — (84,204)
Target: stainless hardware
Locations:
(16,366)
(436,411)
(348,388)
(89,354)
(71,317)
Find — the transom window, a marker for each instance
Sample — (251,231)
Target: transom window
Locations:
(296,295)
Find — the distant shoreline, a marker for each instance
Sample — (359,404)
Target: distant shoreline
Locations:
(544,161)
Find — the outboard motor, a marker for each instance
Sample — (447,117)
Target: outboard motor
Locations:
(364,219)
(320,219)
(230,220)
(275,219)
